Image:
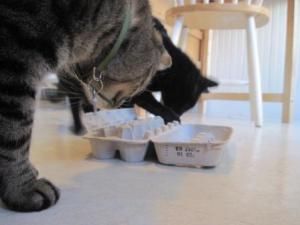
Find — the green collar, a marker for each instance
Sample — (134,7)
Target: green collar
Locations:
(123,34)
(103,65)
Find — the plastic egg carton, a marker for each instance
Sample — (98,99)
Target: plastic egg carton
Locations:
(181,145)
(110,131)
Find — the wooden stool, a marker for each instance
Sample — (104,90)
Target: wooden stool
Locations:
(230,14)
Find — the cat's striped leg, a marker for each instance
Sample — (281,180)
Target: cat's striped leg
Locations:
(20,189)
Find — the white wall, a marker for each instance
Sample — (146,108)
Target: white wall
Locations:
(297,105)
(229,63)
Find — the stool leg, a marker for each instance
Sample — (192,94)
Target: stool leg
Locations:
(254,73)
(202,106)
(205,59)
(183,39)
(177,31)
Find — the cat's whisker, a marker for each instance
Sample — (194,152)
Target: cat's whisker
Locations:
(75,98)
(68,80)
(68,92)
(61,99)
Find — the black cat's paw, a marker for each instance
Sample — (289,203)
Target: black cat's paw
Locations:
(170,116)
(78,130)
(36,196)
(87,108)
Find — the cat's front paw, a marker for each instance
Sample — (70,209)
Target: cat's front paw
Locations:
(170,116)
(78,130)
(36,196)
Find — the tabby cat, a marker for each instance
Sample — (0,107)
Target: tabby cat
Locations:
(41,36)
(180,85)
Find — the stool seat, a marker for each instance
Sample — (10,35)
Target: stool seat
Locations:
(218,16)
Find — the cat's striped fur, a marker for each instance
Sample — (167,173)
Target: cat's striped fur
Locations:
(40,36)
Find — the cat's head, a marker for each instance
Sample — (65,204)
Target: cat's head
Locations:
(187,93)
(132,70)
(183,81)
(133,66)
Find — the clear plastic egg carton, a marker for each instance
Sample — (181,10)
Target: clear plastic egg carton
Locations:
(181,145)
(110,131)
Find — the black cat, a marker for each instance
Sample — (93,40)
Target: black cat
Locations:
(181,86)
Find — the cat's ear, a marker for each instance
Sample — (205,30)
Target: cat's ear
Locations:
(159,26)
(165,61)
(210,83)
(205,84)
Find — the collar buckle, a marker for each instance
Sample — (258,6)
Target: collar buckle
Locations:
(99,78)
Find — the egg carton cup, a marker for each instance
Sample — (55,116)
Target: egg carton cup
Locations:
(192,145)
(175,144)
